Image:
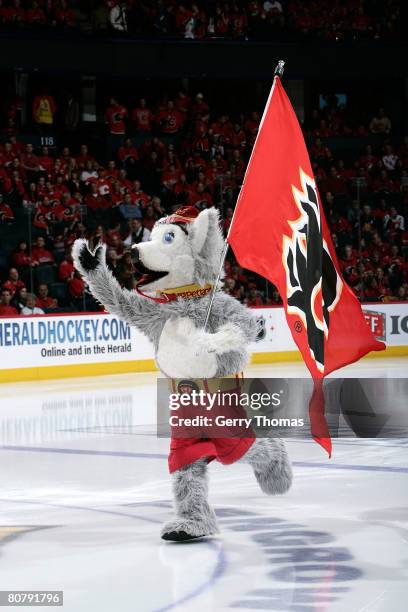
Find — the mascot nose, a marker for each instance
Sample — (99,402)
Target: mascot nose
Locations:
(135,254)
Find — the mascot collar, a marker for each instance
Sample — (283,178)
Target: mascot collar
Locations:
(185,292)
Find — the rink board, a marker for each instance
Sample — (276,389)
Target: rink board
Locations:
(86,344)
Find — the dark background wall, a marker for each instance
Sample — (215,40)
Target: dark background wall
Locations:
(128,58)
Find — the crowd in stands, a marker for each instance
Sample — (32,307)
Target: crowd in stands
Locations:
(208,19)
(187,154)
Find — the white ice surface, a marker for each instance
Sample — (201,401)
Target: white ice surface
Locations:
(85,489)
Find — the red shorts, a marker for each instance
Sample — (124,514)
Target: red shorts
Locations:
(184,451)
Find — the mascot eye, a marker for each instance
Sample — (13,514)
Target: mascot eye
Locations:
(168,237)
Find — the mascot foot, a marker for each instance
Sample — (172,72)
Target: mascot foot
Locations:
(194,516)
(184,529)
(271,465)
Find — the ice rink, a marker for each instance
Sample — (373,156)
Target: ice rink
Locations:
(85,490)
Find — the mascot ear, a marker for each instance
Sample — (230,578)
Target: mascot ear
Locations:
(207,242)
(199,230)
(206,236)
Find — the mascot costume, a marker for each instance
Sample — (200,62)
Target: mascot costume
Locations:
(180,265)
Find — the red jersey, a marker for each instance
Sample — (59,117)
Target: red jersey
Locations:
(13,286)
(30,161)
(143,119)
(35,15)
(140,198)
(254,301)
(125,152)
(115,116)
(21,259)
(76,287)
(66,269)
(96,201)
(47,302)
(47,163)
(42,255)
(65,16)
(170,122)
(201,200)
(149,223)
(6,213)
(7,310)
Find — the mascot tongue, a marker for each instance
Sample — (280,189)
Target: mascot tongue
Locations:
(181,217)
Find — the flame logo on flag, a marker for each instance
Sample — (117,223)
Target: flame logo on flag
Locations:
(313,286)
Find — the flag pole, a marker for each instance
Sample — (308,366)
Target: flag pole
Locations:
(278,72)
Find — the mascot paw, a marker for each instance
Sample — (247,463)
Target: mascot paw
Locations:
(183,529)
(89,261)
(83,258)
(229,337)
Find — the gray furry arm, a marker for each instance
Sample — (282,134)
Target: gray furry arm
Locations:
(229,310)
(125,304)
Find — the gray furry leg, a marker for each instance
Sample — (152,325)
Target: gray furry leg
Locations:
(270,462)
(194,516)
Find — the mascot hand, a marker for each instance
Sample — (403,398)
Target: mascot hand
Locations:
(89,261)
(229,337)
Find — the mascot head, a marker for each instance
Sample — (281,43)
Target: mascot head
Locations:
(185,248)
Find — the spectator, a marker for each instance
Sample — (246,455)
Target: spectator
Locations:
(129,209)
(44,300)
(128,155)
(150,218)
(137,233)
(253,298)
(389,159)
(66,268)
(40,253)
(30,163)
(115,117)
(21,258)
(76,288)
(46,162)
(89,173)
(35,15)
(126,271)
(64,16)
(19,299)
(368,161)
(393,222)
(94,200)
(5,308)
(142,118)
(6,212)
(205,168)
(13,282)
(118,17)
(380,123)
(199,107)
(84,157)
(112,261)
(252,18)
(30,308)
(272,6)
(170,120)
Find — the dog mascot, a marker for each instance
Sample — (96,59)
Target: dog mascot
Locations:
(180,265)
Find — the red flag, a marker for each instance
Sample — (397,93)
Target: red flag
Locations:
(279,231)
